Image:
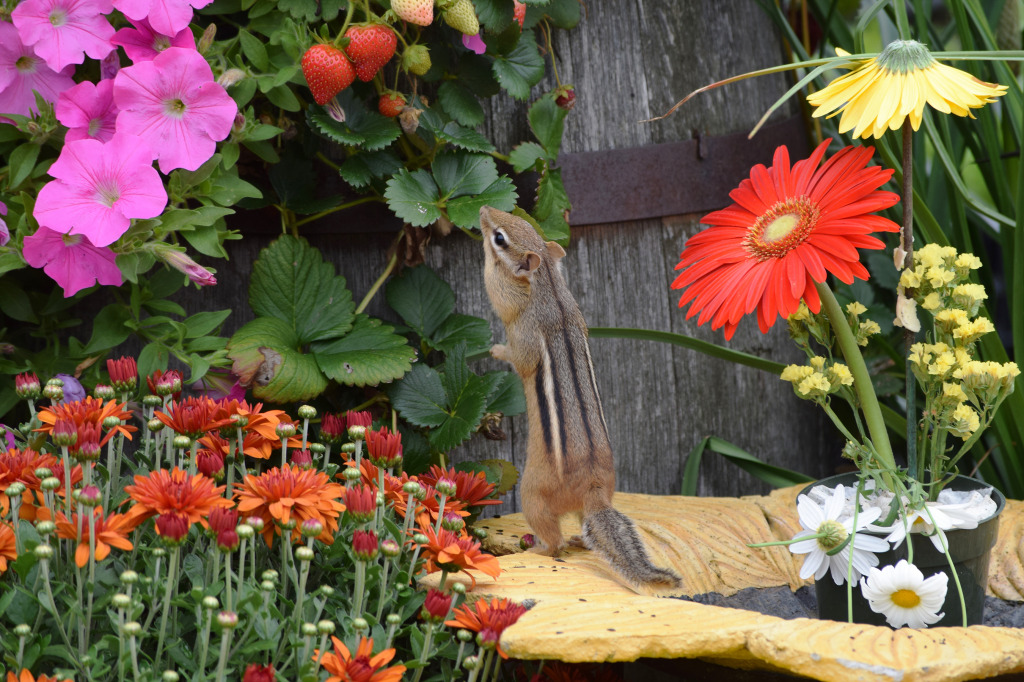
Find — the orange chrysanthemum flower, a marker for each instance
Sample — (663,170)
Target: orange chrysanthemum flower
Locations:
(787,230)
(447,551)
(87,411)
(110,531)
(363,667)
(21,465)
(471,488)
(164,492)
(488,618)
(26,676)
(190,417)
(288,492)
(8,551)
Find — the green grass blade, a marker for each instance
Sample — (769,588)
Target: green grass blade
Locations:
(775,476)
(739,357)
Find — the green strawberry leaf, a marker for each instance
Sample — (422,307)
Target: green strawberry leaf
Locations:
(463,415)
(525,156)
(415,450)
(460,103)
(547,121)
(494,15)
(455,373)
(508,397)
(368,355)
(419,397)
(292,283)
(359,170)
(422,299)
(463,137)
(464,211)
(522,68)
(265,357)
(413,197)
(563,13)
(552,203)
(362,127)
(477,74)
(458,174)
(474,331)
(302,10)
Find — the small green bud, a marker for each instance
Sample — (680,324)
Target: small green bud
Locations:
(23,630)
(245,531)
(309,630)
(304,554)
(420,539)
(159,552)
(227,620)
(111,422)
(181,442)
(42,472)
(211,603)
(325,627)
(360,624)
(132,629)
(351,474)
(348,448)
(170,676)
(121,601)
(46,527)
(15,489)
(327,590)
(152,401)
(306,412)
(471,663)
(155,425)
(317,448)
(50,483)
(43,552)
(393,619)
(356,432)
(464,636)
(129,577)
(269,574)
(268,586)
(458,588)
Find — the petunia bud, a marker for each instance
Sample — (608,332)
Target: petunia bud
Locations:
(207,39)
(229,78)
(181,262)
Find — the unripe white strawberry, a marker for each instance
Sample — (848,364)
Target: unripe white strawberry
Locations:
(462,17)
(419,12)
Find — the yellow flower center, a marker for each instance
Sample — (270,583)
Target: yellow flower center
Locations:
(906,599)
(833,535)
(782,228)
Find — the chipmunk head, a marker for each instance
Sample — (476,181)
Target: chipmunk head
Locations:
(511,244)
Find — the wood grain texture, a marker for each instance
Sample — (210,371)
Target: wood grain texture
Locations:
(583,613)
(660,401)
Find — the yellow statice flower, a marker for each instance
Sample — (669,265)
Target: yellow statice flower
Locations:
(943,366)
(920,354)
(969,332)
(814,386)
(966,262)
(932,301)
(866,330)
(839,375)
(856,308)
(802,313)
(933,255)
(910,279)
(880,93)
(939,276)
(818,363)
(952,396)
(796,373)
(964,421)
(950,319)
(987,380)
(969,297)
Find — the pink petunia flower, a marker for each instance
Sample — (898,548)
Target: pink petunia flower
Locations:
(474,42)
(21,72)
(142,43)
(71,260)
(88,111)
(174,103)
(110,65)
(62,32)
(5,234)
(100,188)
(165,16)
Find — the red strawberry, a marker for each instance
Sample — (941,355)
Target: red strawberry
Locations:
(327,70)
(519,12)
(391,104)
(370,47)
(419,12)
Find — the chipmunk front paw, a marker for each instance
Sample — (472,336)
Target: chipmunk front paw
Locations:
(499,351)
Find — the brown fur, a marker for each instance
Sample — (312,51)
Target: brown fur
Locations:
(569,463)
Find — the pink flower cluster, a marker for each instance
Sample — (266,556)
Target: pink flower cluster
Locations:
(165,107)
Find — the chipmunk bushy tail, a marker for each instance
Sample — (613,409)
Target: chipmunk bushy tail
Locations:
(612,534)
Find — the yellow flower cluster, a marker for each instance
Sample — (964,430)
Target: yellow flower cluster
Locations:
(818,379)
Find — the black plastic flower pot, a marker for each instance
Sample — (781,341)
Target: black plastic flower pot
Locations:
(969,549)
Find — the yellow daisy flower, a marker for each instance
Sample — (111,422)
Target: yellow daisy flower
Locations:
(879,93)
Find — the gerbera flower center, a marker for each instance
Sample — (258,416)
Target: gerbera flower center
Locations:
(906,599)
(832,534)
(58,17)
(782,227)
(175,107)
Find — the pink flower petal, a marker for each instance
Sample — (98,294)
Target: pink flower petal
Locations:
(22,71)
(62,32)
(474,43)
(143,44)
(72,261)
(88,111)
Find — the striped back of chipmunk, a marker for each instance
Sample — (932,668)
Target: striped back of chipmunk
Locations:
(569,404)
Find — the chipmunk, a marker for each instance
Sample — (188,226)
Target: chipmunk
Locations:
(569,467)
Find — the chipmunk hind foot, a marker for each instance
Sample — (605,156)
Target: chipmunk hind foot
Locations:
(612,534)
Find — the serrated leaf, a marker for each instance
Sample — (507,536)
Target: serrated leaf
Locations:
(476,73)
(552,203)
(455,374)
(547,121)
(522,68)
(463,137)
(463,416)
(415,450)
(475,331)
(555,228)
(303,11)
(422,299)
(508,397)
(564,13)
(292,283)
(413,197)
(495,15)
(458,173)
(368,355)
(524,157)
(362,127)
(359,170)
(460,103)
(465,211)
(419,397)
(266,357)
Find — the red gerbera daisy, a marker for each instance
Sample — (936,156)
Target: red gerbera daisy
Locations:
(788,229)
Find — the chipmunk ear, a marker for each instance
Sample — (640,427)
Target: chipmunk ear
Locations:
(555,250)
(530,262)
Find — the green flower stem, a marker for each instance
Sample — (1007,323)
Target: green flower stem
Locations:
(284,451)
(305,432)
(241,564)
(357,595)
(229,599)
(440,513)
(383,588)
(192,458)
(91,587)
(301,596)
(428,640)
(45,567)
(172,574)
(412,565)
(444,578)
(485,663)
(475,672)
(135,657)
(203,643)
(952,568)
(340,207)
(861,377)
(225,642)
(110,473)
(391,636)
(907,244)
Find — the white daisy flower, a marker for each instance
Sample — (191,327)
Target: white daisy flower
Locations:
(932,520)
(903,596)
(825,528)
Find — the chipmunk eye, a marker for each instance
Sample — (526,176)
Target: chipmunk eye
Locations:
(499,239)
